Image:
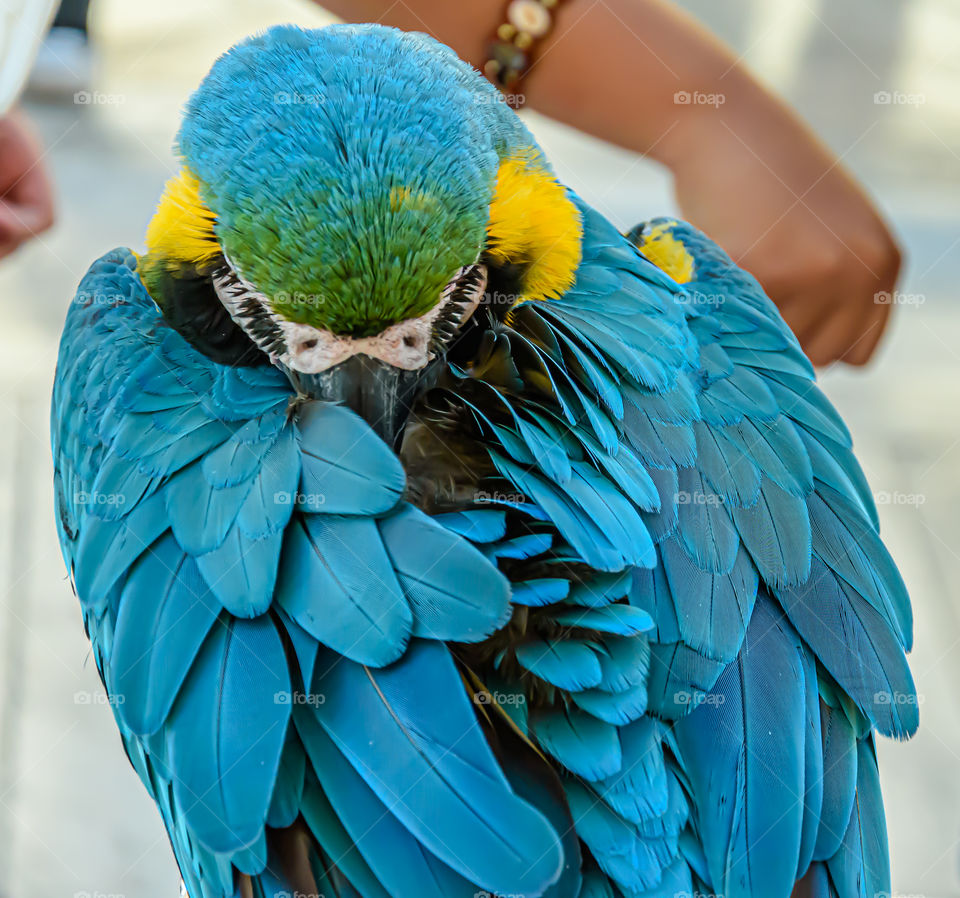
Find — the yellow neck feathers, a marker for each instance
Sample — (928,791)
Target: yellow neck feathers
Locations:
(182,227)
(534,223)
(667,252)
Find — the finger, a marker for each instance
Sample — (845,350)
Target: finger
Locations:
(848,334)
(13,227)
(32,199)
(18,225)
(828,339)
(863,348)
(813,316)
(805,314)
(9,245)
(27,213)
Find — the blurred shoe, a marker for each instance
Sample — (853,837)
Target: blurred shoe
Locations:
(64,64)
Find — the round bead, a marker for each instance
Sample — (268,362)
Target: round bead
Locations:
(506,32)
(529,16)
(511,60)
(523,40)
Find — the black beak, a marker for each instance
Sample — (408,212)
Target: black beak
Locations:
(380,393)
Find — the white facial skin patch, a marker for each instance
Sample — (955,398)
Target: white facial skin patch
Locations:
(310,350)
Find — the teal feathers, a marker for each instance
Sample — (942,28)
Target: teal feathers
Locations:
(614,620)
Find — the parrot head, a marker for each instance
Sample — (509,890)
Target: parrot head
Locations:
(349,198)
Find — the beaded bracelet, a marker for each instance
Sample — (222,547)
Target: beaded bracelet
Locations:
(509,55)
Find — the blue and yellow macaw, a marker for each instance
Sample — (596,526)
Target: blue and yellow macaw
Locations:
(436,539)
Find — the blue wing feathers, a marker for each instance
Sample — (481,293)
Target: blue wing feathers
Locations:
(813,764)
(742,749)
(287,794)
(541,591)
(338,583)
(839,781)
(166,611)
(858,648)
(861,866)
(346,469)
(690,614)
(638,790)
(435,772)
(619,708)
(568,664)
(401,864)
(455,592)
(582,743)
(226,733)
(337,845)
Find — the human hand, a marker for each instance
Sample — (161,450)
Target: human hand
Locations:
(785,209)
(26,197)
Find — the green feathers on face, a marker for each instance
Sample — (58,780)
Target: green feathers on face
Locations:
(356,267)
(350,170)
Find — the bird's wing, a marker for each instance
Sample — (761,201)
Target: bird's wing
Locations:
(246,574)
(773,453)
(666,451)
(646,506)
(776,488)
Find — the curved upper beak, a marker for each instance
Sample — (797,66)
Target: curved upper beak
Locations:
(382,394)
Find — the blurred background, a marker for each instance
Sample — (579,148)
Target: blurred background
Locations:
(878,79)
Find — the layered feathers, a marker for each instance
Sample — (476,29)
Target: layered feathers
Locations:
(634,641)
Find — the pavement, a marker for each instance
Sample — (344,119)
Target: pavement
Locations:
(878,79)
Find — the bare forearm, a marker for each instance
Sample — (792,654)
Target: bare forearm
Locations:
(465,26)
(747,170)
(612,69)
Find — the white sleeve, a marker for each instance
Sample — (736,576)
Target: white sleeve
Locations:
(23,24)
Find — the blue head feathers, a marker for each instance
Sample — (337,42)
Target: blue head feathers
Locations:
(350,169)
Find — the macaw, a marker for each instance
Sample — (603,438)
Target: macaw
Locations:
(434,538)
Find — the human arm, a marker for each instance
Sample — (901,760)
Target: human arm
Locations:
(746,169)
